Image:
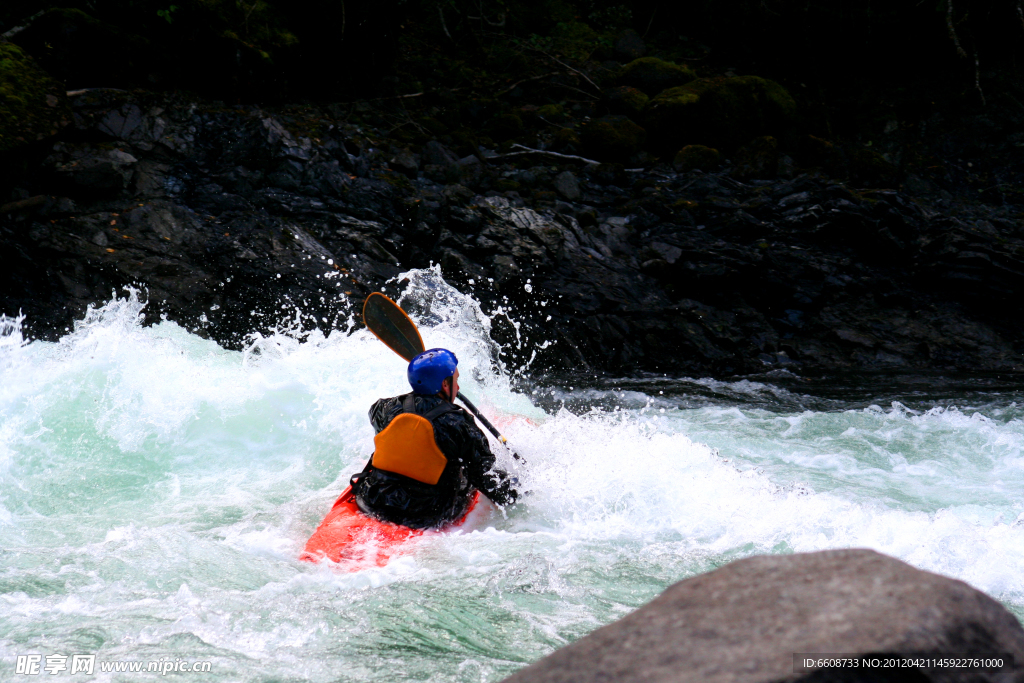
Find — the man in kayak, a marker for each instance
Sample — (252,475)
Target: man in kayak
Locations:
(429,454)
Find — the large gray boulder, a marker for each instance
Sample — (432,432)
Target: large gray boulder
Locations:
(744,622)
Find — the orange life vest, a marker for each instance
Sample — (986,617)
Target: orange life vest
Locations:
(407,446)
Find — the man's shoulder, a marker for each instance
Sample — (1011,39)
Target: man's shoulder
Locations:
(457,418)
(386,402)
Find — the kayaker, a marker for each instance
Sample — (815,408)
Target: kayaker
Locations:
(419,479)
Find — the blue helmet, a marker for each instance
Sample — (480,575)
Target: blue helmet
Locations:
(430,368)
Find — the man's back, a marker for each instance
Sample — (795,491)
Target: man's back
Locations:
(402,500)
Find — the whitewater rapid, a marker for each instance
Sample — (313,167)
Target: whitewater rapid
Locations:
(156,490)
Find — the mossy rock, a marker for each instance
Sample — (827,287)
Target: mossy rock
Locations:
(552,113)
(575,39)
(723,113)
(566,141)
(759,158)
(33,106)
(652,75)
(694,157)
(625,100)
(612,138)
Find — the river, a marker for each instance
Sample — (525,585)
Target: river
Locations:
(156,489)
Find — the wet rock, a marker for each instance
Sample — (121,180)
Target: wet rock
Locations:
(749,621)
(33,106)
(107,173)
(404,161)
(434,153)
(723,113)
(652,75)
(661,270)
(612,138)
(567,185)
(696,157)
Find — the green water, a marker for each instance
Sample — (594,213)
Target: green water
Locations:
(155,491)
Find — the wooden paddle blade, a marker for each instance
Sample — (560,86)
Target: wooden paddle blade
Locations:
(384,318)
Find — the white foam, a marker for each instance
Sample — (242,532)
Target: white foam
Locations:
(155,482)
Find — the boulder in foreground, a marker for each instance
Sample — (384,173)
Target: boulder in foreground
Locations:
(744,622)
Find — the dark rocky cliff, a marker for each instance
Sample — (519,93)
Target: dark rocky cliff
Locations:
(634,214)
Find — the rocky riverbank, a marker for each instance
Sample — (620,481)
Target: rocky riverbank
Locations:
(235,219)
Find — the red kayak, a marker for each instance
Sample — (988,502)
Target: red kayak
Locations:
(357,542)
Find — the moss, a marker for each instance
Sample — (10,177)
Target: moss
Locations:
(612,138)
(33,106)
(396,180)
(625,100)
(759,158)
(566,141)
(553,113)
(719,112)
(652,75)
(574,39)
(697,157)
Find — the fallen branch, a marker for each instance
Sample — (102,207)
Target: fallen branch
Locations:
(575,71)
(24,25)
(977,78)
(650,23)
(440,13)
(525,80)
(952,31)
(530,150)
(586,94)
(498,24)
(393,97)
(76,93)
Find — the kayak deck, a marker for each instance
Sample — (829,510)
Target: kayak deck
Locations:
(356,541)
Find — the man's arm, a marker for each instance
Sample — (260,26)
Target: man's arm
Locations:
(478,461)
(380,413)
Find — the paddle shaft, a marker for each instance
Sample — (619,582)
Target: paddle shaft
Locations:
(491,428)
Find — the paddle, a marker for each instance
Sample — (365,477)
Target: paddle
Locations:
(391,325)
